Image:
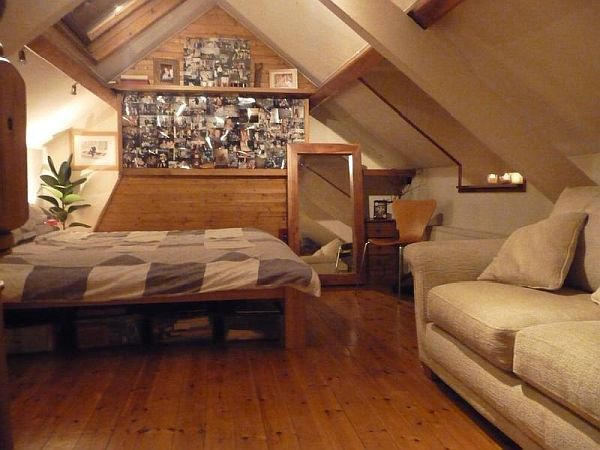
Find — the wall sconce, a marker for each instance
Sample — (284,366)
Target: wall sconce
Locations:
(22,56)
(74,89)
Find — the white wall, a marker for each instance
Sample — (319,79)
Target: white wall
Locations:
(51,112)
(482,214)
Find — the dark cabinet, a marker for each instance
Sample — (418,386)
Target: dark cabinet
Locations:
(382,262)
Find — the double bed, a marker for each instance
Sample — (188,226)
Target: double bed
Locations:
(83,268)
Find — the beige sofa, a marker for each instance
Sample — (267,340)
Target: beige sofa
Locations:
(527,359)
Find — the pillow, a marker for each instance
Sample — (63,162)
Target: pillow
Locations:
(35,226)
(329,249)
(538,255)
(596,296)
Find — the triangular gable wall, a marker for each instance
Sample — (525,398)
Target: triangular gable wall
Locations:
(217,23)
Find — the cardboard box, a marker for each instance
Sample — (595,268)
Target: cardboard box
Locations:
(109,331)
(30,339)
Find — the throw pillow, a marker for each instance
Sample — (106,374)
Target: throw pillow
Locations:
(538,255)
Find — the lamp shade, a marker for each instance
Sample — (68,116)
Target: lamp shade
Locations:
(13,151)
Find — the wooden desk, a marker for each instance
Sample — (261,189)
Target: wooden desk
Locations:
(5,432)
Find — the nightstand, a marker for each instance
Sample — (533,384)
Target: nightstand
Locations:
(382,262)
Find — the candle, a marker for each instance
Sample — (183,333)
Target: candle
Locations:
(505,178)
(492,178)
(516,178)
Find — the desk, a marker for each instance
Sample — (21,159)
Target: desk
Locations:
(382,262)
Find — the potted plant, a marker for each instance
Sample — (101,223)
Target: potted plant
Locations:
(63,198)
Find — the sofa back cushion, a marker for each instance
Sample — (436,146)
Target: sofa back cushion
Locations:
(585,270)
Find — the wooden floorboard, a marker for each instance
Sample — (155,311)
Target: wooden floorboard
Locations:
(357,385)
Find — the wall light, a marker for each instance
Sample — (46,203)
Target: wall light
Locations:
(22,56)
(74,89)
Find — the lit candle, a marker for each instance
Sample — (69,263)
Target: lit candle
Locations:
(505,178)
(516,178)
(492,178)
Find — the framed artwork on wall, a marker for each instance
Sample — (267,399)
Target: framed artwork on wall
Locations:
(96,149)
(166,71)
(283,79)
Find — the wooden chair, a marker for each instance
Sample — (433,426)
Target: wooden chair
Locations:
(412,217)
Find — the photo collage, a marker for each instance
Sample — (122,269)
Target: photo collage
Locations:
(212,62)
(198,131)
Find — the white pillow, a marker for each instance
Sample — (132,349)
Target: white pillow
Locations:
(329,249)
(539,255)
(34,226)
(596,296)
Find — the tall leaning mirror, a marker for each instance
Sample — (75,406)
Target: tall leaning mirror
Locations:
(325,209)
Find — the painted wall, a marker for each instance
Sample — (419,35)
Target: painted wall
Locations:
(51,112)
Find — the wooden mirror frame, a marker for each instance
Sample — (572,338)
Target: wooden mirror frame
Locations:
(356,186)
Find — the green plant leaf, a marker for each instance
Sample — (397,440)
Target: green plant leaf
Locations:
(57,193)
(78,182)
(64,173)
(52,167)
(78,224)
(59,214)
(71,198)
(49,199)
(72,208)
(50,180)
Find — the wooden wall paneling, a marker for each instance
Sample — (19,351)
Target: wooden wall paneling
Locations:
(217,23)
(196,202)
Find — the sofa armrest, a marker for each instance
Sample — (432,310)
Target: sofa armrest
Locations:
(433,263)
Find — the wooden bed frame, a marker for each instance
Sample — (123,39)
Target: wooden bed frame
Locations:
(293,306)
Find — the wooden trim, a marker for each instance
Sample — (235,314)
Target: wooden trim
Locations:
(295,319)
(356,187)
(259,92)
(351,71)
(389,172)
(427,12)
(149,172)
(73,68)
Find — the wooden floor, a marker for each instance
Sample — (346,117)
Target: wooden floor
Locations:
(357,385)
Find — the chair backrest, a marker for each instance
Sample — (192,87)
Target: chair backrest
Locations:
(412,217)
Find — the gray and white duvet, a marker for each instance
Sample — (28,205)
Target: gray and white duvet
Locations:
(103,266)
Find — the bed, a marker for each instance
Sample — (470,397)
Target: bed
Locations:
(84,268)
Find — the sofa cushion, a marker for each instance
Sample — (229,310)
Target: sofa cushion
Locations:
(563,360)
(585,270)
(485,316)
(538,255)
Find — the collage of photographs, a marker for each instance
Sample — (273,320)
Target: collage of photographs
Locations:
(197,131)
(212,62)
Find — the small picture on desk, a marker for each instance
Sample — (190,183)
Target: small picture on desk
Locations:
(380,209)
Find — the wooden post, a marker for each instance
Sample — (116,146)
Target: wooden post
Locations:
(295,319)
(5,432)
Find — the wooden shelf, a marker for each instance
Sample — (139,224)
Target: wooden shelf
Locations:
(242,91)
(493,188)
(149,172)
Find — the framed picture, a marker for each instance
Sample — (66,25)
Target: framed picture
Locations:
(380,209)
(283,79)
(166,71)
(94,149)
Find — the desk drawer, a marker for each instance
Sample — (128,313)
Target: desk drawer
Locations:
(381,229)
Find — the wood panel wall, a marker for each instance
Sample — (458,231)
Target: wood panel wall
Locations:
(217,23)
(196,202)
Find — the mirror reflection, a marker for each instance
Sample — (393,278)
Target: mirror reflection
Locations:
(326,212)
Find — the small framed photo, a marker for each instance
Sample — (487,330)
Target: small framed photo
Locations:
(96,149)
(380,209)
(166,71)
(283,79)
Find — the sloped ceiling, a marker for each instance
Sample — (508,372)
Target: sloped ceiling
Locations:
(520,80)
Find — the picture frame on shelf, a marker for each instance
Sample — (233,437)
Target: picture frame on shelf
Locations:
(380,209)
(283,79)
(94,149)
(166,71)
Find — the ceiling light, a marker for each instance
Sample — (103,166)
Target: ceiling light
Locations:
(118,9)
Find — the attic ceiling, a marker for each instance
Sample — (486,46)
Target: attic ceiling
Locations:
(503,87)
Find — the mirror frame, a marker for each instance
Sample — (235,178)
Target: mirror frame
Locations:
(294,152)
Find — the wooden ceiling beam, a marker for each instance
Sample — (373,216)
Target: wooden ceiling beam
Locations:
(73,67)
(427,12)
(350,72)
(131,26)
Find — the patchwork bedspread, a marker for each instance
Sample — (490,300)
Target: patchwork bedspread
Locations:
(93,266)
